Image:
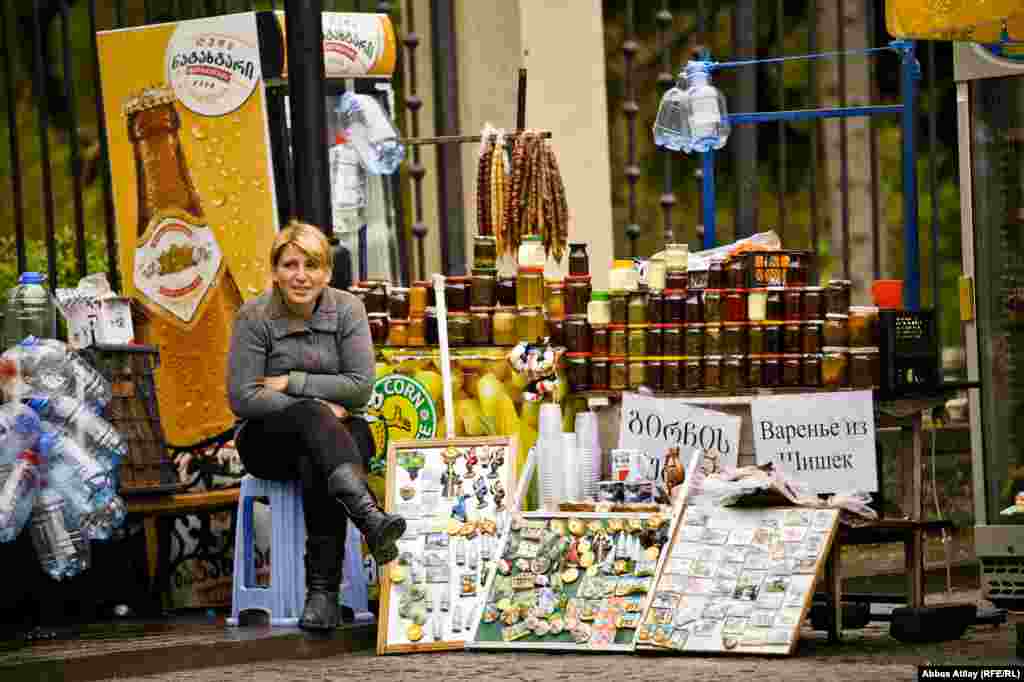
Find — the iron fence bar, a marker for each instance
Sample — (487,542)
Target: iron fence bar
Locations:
(708,191)
(145,11)
(844,142)
(113,273)
(118,13)
(698,171)
(876,211)
(630,108)
(806,114)
(744,140)
(666,81)
(74,161)
(452,222)
(780,15)
(911,246)
(416,169)
(12,138)
(812,46)
(933,185)
(43,107)
(394,183)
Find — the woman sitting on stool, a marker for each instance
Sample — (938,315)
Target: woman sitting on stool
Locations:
(300,372)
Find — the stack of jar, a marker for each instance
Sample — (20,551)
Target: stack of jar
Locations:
(530,289)
(573,329)
(374,295)
(850,355)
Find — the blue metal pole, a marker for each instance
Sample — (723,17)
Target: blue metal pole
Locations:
(808,114)
(911,248)
(709,199)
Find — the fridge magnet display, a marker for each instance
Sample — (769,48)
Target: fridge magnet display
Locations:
(736,580)
(432,595)
(571,581)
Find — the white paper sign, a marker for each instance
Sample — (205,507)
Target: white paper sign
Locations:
(824,440)
(653,425)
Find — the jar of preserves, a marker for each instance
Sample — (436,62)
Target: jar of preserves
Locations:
(618,340)
(732,373)
(618,374)
(398,303)
(694,346)
(416,337)
(418,298)
(483,292)
(675,306)
(792,370)
(577,335)
(378,328)
(694,306)
(671,375)
(637,312)
(655,307)
(676,279)
(530,287)
(599,308)
(772,338)
(736,273)
(798,271)
(810,340)
(771,371)
(757,305)
(813,304)
(654,377)
(503,327)
(457,294)
(637,341)
(577,295)
(554,298)
(677,256)
(620,307)
(836,331)
(556,331)
(579,260)
(812,370)
(654,340)
(458,329)
(694,374)
(712,339)
(430,330)
(506,291)
(657,274)
(713,371)
(485,251)
(712,305)
(754,368)
(755,339)
(835,362)
(863,325)
(774,308)
(716,274)
(531,253)
(599,373)
(672,337)
(481,327)
(865,368)
(791,341)
(637,373)
(734,338)
(577,371)
(735,305)
(623,276)
(398,333)
(530,324)
(792,305)
(376,299)
(599,340)
(837,297)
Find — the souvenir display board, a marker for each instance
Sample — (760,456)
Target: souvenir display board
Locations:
(573,581)
(455,496)
(737,580)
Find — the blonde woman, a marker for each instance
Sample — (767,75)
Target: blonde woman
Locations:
(300,373)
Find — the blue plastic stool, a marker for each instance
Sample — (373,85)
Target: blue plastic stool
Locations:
(283,600)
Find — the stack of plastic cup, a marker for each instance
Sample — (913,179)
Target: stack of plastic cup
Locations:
(550,449)
(571,488)
(588,453)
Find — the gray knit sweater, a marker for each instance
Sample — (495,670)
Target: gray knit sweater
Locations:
(329,356)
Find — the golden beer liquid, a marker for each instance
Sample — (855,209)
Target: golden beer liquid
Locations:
(193,355)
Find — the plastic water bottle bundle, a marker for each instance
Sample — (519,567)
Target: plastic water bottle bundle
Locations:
(50,366)
(87,487)
(19,431)
(19,486)
(371,133)
(96,434)
(60,546)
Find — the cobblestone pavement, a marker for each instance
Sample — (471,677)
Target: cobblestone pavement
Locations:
(868,654)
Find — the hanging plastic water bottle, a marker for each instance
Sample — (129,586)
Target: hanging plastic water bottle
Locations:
(31,310)
(50,366)
(59,448)
(672,127)
(93,432)
(97,511)
(62,550)
(19,486)
(371,133)
(19,431)
(706,111)
(348,186)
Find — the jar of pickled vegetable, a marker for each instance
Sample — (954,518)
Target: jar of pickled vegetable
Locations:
(865,368)
(556,331)
(378,328)
(837,297)
(775,310)
(398,333)
(798,272)
(755,338)
(485,251)
(430,327)
(792,305)
(637,341)
(418,299)
(503,327)
(694,346)
(579,261)
(637,312)
(812,370)
(577,335)
(694,374)
(672,339)
(458,329)
(676,279)
(577,295)
(577,371)
(754,368)
(772,338)
(716,274)
(813,304)
(599,374)
(554,298)
(599,309)
(734,338)
(713,371)
(694,306)
(863,325)
(398,303)
(481,327)
(620,307)
(792,370)
(618,374)
(530,324)
(674,306)
(712,305)
(712,339)
(506,291)
(530,287)
(618,340)
(771,371)
(732,373)
(671,375)
(655,307)
(734,302)
(757,305)
(835,361)
(836,331)
(654,376)
(791,341)
(417,332)
(810,340)
(599,340)
(654,340)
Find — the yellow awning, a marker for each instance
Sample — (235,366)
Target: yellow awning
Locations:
(980,21)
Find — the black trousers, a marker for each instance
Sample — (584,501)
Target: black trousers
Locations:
(306,442)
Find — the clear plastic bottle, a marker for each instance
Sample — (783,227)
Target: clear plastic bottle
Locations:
(50,366)
(31,310)
(371,133)
(93,432)
(97,511)
(60,546)
(19,431)
(348,186)
(59,448)
(19,485)
(705,109)
(672,127)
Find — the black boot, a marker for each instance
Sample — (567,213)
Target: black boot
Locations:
(324,555)
(380,530)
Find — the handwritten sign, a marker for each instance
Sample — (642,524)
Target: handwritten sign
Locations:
(826,441)
(653,425)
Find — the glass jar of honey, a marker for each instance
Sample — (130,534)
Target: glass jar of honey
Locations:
(620,307)
(503,327)
(618,340)
(792,370)
(865,368)
(694,374)
(599,309)
(637,373)
(637,312)
(457,294)
(712,305)
(599,373)
(398,333)
(713,371)
(637,340)
(812,370)
(732,373)
(835,361)
(506,291)
(654,340)
(458,329)
(599,340)
(863,325)
(483,292)
(577,335)
(810,340)
(712,339)
(554,298)
(694,346)
(577,371)
(734,302)
(481,327)
(836,331)
(813,303)
(530,287)
(837,297)
(792,305)
(416,335)
(418,298)
(671,375)
(618,374)
(775,310)
(672,339)
(578,295)
(755,338)
(398,303)
(791,341)
(734,338)
(530,324)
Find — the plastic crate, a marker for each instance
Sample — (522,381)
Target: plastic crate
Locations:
(134,412)
(908,352)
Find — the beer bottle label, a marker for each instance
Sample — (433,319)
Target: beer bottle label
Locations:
(177,265)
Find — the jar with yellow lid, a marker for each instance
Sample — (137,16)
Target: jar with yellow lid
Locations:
(637,372)
(654,374)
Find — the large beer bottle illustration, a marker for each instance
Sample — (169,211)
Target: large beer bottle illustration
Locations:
(180,275)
